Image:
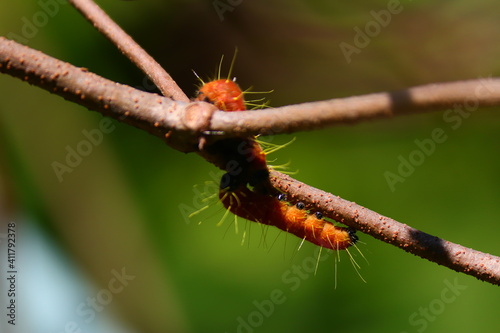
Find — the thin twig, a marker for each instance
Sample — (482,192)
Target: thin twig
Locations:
(177,123)
(130,48)
(482,265)
(315,115)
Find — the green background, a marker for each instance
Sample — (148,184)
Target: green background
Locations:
(120,207)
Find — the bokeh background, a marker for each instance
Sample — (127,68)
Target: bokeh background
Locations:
(122,208)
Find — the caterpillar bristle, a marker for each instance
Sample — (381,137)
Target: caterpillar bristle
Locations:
(196,212)
(269,147)
(249,91)
(283,168)
(223,219)
(198,77)
(256,106)
(220,67)
(255,101)
(317,261)
(356,266)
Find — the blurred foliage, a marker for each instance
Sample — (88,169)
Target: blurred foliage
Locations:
(120,207)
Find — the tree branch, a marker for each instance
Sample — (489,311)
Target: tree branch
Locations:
(105,25)
(350,110)
(483,266)
(177,123)
(72,82)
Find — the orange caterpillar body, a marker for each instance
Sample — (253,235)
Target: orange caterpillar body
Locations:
(290,218)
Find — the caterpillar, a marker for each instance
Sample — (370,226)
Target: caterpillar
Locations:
(246,165)
(294,219)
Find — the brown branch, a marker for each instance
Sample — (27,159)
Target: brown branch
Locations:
(482,265)
(105,25)
(177,123)
(45,72)
(350,110)
(180,125)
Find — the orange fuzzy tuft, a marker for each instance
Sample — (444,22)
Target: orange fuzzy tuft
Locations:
(271,211)
(225,94)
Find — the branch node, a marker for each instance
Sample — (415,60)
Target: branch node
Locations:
(198,115)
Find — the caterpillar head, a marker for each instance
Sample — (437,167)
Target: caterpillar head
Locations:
(352,235)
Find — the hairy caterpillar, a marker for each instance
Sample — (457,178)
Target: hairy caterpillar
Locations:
(293,219)
(246,165)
